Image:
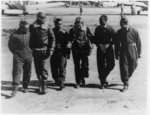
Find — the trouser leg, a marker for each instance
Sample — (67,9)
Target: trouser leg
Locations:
(110,62)
(54,67)
(84,68)
(38,64)
(101,65)
(76,59)
(62,69)
(27,71)
(124,69)
(17,69)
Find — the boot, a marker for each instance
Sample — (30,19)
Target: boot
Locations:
(62,86)
(44,87)
(125,88)
(15,89)
(40,87)
(25,87)
(83,81)
(77,86)
(102,86)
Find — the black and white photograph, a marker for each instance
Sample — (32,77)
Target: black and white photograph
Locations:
(74,57)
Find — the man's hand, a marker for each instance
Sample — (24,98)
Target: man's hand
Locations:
(69,45)
(51,52)
(139,56)
(117,57)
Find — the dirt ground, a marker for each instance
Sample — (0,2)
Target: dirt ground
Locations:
(88,99)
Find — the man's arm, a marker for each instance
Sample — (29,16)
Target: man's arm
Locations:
(52,40)
(11,43)
(138,44)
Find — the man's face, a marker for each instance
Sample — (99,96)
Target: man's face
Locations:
(79,25)
(102,21)
(41,19)
(24,26)
(58,24)
(124,26)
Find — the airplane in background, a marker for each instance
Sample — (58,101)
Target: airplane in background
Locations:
(32,7)
(139,6)
(20,8)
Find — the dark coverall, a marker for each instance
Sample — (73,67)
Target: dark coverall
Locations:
(42,41)
(105,53)
(128,48)
(60,55)
(22,57)
(81,47)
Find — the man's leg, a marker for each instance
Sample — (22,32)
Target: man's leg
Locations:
(17,70)
(110,62)
(27,72)
(38,66)
(101,66)
(84,68)
(76,59)
(45,68)
(62,70)
(124,71)
(54,67)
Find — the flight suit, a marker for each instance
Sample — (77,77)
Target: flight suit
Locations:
(104,37)
(42,41)
(128,49)
(22,57)
(59,57)
(81,47)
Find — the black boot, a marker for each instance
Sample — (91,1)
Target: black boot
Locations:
(25,87)
(39,90)
(44,86)
(15,89)
(125,88)
(62,86)
(83,81)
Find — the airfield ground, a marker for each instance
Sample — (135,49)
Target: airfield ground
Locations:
(88,99)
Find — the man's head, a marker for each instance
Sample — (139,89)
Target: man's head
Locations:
(124,23)
(41,17)
(58,23)
(79,22)
(103,20)
(23,24)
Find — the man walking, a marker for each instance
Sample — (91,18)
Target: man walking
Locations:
(80,38)
(22,56)
(104,36)
(42,42)
(60,55)
(128,50)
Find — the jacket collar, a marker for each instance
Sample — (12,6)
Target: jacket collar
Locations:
(43,26)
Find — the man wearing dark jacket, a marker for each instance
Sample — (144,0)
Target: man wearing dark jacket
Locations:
(60,55)
(127,50)
(22,56)
(80,38)
(104,35)
(42,42)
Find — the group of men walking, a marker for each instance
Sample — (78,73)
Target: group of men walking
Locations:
(53,46)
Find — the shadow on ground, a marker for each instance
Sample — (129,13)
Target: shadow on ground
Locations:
(34,84)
